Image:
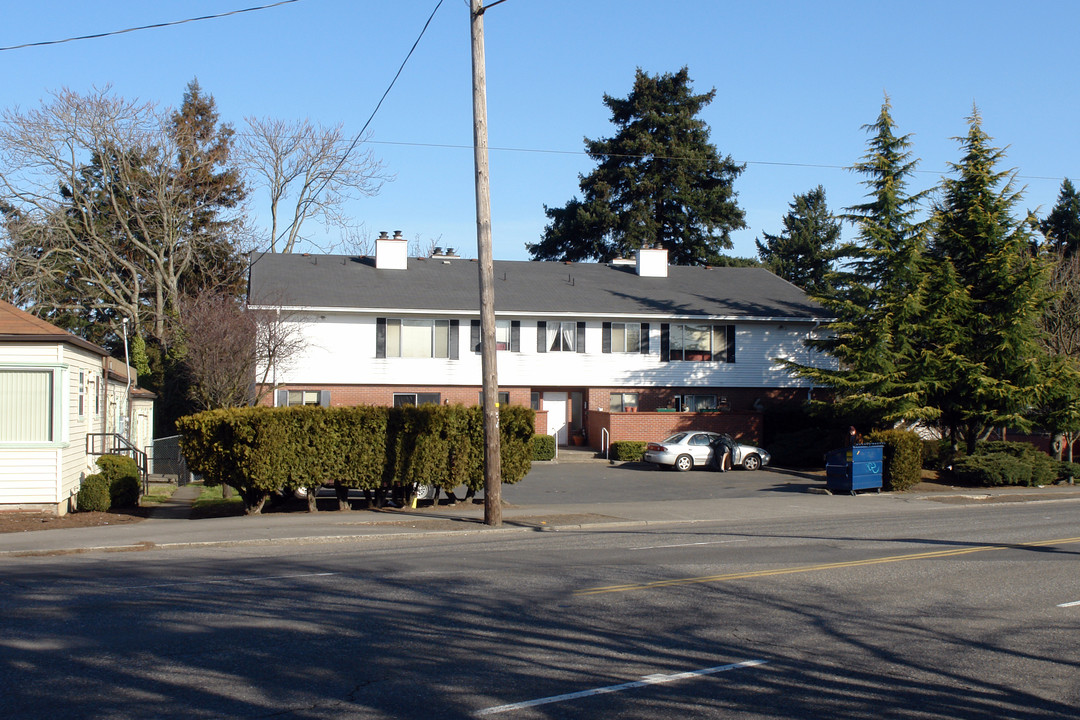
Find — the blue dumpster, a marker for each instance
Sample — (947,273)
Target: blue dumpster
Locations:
(856,468)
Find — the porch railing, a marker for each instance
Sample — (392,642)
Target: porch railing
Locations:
(117,444)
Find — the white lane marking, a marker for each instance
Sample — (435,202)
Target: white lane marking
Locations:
(228,580)
(1070,604)
(643,682)
(711,542)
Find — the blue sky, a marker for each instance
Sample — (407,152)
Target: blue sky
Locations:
(795,82)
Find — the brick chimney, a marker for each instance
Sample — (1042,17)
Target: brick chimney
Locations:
(652,261)
(391,253)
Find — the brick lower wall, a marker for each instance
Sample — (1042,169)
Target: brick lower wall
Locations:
(744,426)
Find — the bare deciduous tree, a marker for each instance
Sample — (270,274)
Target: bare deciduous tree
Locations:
(309,172)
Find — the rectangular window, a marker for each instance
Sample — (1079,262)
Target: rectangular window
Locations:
(561,336)
(82,393)
(701,343)
(697,403)
(26,406)
(624,402)
(534,400)
(413,338)
(504,398)
(626,337)
(403,399)
(303,397)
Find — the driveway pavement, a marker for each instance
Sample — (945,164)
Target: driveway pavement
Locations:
(572,493)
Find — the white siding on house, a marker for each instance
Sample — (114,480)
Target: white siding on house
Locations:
(29,475)
(341,351)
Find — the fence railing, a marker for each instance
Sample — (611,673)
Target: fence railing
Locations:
(168,460)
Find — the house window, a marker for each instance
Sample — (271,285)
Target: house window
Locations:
(303,397)
(534,400)
(561,336)
(418,338)
(697,403)
(82,393)
(403,399)
(701,343)
(626,337)
(507,335)
(624,402)
(504,398)
(26,406)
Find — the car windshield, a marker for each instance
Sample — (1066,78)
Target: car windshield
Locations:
(676,438)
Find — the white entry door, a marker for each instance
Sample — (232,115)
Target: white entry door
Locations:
(555,404)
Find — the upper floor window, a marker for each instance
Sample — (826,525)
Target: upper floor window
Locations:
(507,335)
(623,337)
(416,338)
(698,343)
(560,336)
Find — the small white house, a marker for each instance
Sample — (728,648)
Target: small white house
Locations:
(56,389)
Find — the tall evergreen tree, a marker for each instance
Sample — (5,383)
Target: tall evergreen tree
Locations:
(807,249)
(659,181)
(1062,226)
(877,341)
(992,292)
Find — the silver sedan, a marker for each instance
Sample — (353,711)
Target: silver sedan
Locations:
(687,450)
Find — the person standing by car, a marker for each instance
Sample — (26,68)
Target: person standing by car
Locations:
(723,452)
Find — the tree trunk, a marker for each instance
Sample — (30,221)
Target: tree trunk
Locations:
(254,501)
(342,494)
(312,496)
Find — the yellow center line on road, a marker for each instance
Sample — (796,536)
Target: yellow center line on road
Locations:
(815,568)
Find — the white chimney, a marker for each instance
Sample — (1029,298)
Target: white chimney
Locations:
(391,253)
(652,261)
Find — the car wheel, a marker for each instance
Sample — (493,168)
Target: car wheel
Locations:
(684,463)
(751,462)
(424,491)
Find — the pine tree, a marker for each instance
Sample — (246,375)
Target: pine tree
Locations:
(806,250)
(1062,226)
(992,293)
(877,340)
(659,182)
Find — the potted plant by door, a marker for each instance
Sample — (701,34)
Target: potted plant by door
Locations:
(578,438)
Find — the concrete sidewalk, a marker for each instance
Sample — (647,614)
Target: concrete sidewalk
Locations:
(169,527)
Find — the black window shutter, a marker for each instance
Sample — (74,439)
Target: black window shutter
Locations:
(644,338)
(605,342)
(474,335)
(515,336)
(282,398)
(324,398)
(380,337)
(731,343)
(541,336)
(581,337)
(453,340)
(665,342)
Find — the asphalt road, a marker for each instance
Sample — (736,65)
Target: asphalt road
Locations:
(933,611)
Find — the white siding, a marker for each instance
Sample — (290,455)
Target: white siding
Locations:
(29,475)
(341,351)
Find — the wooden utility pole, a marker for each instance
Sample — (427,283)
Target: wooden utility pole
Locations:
(492,453)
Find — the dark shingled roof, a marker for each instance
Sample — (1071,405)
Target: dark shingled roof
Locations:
(525,287)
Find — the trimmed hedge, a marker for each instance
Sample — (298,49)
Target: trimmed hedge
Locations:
(1068,471)
(1009,463)
(122,475)
(627,450)
(262,450)
(93,494)
(903,458)
(543,447)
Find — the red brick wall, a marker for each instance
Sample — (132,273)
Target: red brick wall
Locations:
(654,426)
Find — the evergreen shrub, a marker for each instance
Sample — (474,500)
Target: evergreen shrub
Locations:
(122,475)
(93,494)
(543,447)
(903,457)
(1068,471)
(1044,470)
(627,450)
(992,470)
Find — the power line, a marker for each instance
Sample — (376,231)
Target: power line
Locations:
(147,27)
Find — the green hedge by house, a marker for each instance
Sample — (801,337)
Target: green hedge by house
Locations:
(903,458)
(262,450)
(543,447)
(93,494)
(122,474)
(1007,463)
(627,450)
